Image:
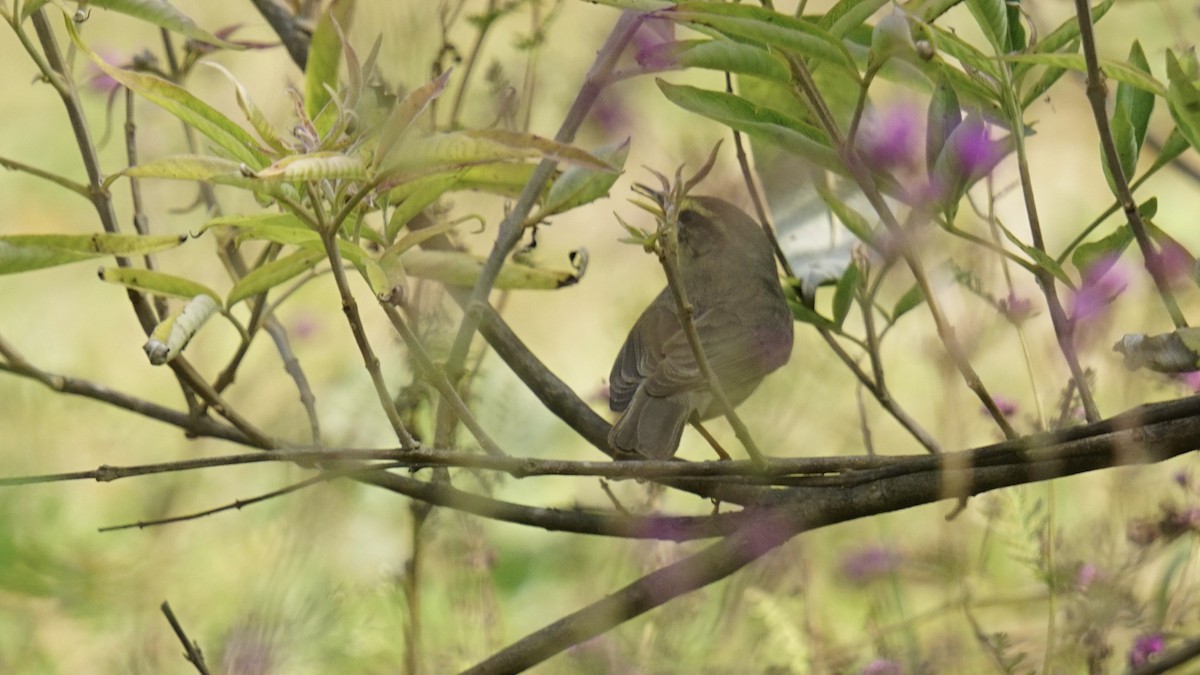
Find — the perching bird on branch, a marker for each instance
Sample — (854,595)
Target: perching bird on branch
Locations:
(727,271)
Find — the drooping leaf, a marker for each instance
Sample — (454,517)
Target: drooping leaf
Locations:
(170,337)
(160,13)
(1086,256)
(189,167)
(578,185)
(770,125)
(405,112)
(1183,99)
(264,278)
(760,26)
(911,299)
(315,166)
(722,55)
(159,283)
(458,268)
(1117,70)
(176,100)
(26,252)
(254,115)
(805,315)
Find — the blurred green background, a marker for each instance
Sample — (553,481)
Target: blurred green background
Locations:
(313,582)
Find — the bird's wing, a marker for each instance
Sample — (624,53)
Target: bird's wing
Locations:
(642,351)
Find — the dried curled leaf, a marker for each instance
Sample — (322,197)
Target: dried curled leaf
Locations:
(1175,352)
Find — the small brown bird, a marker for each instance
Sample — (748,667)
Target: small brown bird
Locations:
(728,273)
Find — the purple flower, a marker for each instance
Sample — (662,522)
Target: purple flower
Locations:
(890,138)
(1102,283)
(869,563)
(1190,380)
(881,667)
(1144,648)
(653,44)
(1086,576)
(1172,262)
(1008,407)
(99,81)
(1016,308)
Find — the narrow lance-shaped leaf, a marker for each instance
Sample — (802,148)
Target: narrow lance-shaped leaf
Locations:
(268,276)
(188,167)
(579,185)
(315,166)
(182,104)
(159,283)
(157,12)
(911,299)
(1184,101)
(462,269)
(723,55)
(253,114)
(943,117)
(1087,256)
(847,15)
(765,27)
(26,252)
(805,315)
(1117,70)
(992,17)
(324,57)
(843,297)
(170,337)
(404,114)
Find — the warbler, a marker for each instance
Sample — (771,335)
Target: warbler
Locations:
(745,328)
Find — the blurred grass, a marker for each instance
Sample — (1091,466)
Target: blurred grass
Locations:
(312,582)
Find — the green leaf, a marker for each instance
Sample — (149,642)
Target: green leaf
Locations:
(843,296)
(1039,257)
(726,56)
(438,152)
(316,166)
(254,115)
(1087,255)
(176,100)
(963,51)
(418,194)
(943,117)
(1175,145)
(849,217)
(156,282)
(992,17)
(1138,103)
(911,299)
(405,112)
(805,315)
(1125,143)
(157,12)
(324,58)
(1184,101)
(189,167)
(418,237)
(265,277)
(458,268)
(768,124)
(368,267)
(1066,34)
(1040,86)
(578,185)
(761,26)
(848,15)
(1117,70)
(26,252)
(1015,40)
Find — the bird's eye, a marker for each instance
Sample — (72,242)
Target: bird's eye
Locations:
(688,217)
